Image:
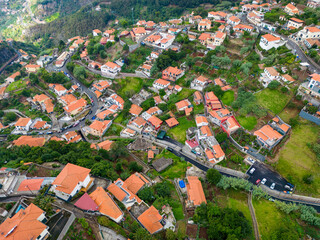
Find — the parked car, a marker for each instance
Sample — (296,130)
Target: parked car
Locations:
(251,160)
(170,149)
(272,186)
(288,187)
(263,181)
(76,123)
(258,181)
(252,170)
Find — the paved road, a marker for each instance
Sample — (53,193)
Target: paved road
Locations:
(263,171)
(297,50)
(312,66)
(86,90)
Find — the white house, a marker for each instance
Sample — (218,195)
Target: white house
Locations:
(96,32)
(233,20)
(58,89)
(313,3)
(294,23)
(255,18)
(110,68)
(201,121)
(199,83)
(307,32)
(161,84)
(314,81)
(70,181)
(269,41)
(23,124)
(272,73)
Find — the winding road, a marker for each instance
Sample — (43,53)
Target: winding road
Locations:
(89,92)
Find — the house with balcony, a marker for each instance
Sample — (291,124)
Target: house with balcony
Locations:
(269,41)
(172,73)
(71,180)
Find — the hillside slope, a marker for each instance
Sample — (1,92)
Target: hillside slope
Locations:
(6,52)
(80,23)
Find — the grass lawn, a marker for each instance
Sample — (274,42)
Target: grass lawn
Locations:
(198,109)
(248,122)
(288,113)
(271,219)
(296,159)
(179,132)
(128,41)
(273,100)
(236,200)
(114,130)
(228,98)
(185,93)
(16,85)
(129,84)
(177,169)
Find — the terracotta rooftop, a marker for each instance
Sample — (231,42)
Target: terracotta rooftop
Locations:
(69,178)
(30,141)
(150,219)
(30,184)
(172,122)
(135,109)
(23,225)
(22,122)
(270,37)
(135,182)
(105,203)
(195,191)
(106,145)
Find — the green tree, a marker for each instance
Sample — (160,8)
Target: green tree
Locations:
(221,137)
(273,84)
(142,234)
(146,194)
(11,116)
(213,176)
(61,45)
(134,166)
(163,189)
(79,72)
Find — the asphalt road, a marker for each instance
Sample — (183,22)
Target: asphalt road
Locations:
(312,67)
(263,171)
(88,91)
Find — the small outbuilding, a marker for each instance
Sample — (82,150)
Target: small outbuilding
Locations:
(161,163)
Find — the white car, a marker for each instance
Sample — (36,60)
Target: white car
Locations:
(272,186)
(252,170)
(263,181)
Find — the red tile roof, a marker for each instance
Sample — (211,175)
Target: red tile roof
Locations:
(150,219)
(23,225)
(30,185)
(195,191)
(69,178)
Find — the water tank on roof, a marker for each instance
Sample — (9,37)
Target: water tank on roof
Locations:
(182,184)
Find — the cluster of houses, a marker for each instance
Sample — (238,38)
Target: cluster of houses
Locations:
(271,74)
(30,221)
(72,105)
